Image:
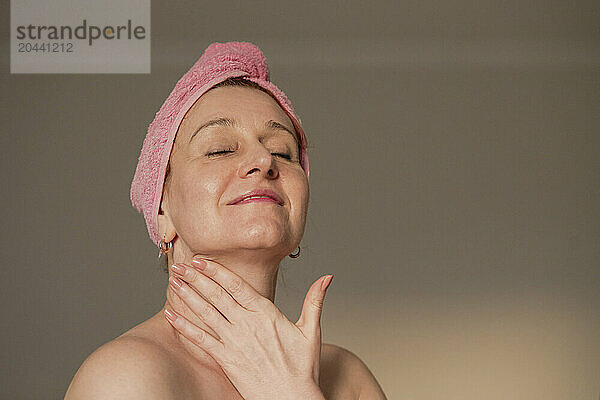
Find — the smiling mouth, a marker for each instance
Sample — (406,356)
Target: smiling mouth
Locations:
(261,195)
(257,199)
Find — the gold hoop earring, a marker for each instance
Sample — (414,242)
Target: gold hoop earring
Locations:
(297,253)
(165,247)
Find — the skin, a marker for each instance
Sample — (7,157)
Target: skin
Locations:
(236,241)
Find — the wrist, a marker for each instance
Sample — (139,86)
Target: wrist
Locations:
(297,391)
(312,392)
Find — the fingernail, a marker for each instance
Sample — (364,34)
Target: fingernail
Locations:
(199,263)
(178,269)
(326,282)
(175,283)
(170,315)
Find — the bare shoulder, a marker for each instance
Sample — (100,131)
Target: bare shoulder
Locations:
(127,367)
(343,370)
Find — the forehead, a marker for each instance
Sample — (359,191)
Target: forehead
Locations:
(247,105)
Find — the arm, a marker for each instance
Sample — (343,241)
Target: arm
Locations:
(123,369)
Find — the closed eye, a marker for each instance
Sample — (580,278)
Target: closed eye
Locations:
(286,156)
(219,152)
(282,155)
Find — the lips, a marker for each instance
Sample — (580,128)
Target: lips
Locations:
(258,195)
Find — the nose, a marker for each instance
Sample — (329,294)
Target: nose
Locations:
(259,161)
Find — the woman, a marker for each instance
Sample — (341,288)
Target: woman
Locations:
(222,181)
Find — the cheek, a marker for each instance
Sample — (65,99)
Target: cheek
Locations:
(197,196)
(299,195)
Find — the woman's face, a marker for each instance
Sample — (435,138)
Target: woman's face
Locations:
(244,145)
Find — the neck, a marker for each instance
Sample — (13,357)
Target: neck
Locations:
(258,268)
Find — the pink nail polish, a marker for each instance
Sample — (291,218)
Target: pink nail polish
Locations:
(170,315)
(175,283)
(200,264)
(178,269)
(326,282)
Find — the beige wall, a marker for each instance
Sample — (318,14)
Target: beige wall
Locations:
(454,192)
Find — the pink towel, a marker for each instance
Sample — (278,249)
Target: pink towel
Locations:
(219,62)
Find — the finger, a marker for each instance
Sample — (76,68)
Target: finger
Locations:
(310,318)
(196,335)
(243,293)
(205,297)
(200,307)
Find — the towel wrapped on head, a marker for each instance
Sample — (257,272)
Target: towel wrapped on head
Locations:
(219,62)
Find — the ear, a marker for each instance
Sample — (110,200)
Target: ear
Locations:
(165,225)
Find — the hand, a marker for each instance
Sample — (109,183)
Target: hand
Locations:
(264,355)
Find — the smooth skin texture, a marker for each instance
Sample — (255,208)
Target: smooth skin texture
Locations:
(155,360)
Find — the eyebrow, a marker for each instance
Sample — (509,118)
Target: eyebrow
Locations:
(276,125)
(224,121)
(221,121)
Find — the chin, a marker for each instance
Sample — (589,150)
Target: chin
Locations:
(263,233)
